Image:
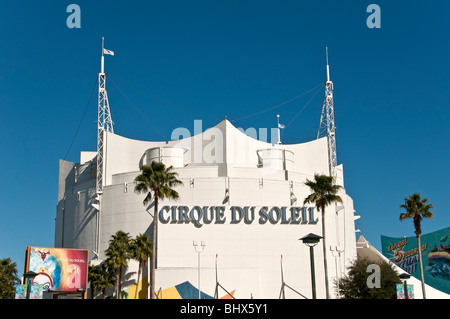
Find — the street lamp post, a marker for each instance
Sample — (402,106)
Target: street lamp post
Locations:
(199,249)
(404,277)
(312,240)
(28,276)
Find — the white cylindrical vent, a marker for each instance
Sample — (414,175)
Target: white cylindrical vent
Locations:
(168,155)
(276,159)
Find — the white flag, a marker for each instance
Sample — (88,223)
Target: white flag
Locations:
(105,51)
(280,125)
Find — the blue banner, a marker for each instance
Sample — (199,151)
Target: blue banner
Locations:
(435,256)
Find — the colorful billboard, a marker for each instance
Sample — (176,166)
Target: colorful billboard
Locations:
(35,291)
(401,291)
(435,256)
(58,269)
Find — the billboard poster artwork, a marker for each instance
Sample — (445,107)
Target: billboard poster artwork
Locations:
(35,291)
(58,269)
(401,291)
(435,252)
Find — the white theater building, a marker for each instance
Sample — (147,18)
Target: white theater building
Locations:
(242,197)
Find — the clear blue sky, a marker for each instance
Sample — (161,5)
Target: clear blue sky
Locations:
(210,59)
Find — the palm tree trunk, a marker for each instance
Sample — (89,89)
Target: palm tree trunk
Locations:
(137,283)
(419,246)
(418,231)
(155,229)
(117,282)
(325,263)
(120,283)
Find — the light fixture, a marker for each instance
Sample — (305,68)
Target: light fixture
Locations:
(404,277)
(28,276)
(293,199)
(312,240)
(201,247)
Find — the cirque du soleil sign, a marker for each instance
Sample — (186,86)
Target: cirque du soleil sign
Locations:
(201,215)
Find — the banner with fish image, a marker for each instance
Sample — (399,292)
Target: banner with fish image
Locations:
(435,256)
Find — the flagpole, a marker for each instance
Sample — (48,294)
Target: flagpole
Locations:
(103,58)
(278,127)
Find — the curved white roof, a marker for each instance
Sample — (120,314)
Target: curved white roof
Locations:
(228,148)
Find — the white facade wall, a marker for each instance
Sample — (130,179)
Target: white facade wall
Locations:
(221,167)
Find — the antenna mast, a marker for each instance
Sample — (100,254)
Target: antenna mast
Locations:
(326,126)
(104,123)
(278,127)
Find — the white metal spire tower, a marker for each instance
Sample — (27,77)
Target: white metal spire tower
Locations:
(326,126)
(104,123)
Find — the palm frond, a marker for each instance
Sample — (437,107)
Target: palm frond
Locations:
(323,191)
(147,198)
(157,178)
(416,208)
(312,198)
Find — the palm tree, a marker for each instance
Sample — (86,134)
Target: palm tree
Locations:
(94,277)
(100,277)
(141,248)
(417,208)
(118,254)
(323,194)
(158,179)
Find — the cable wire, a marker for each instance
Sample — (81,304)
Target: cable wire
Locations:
(81,121)
(278,105)
(138,110)
(307,103)
(182,108)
